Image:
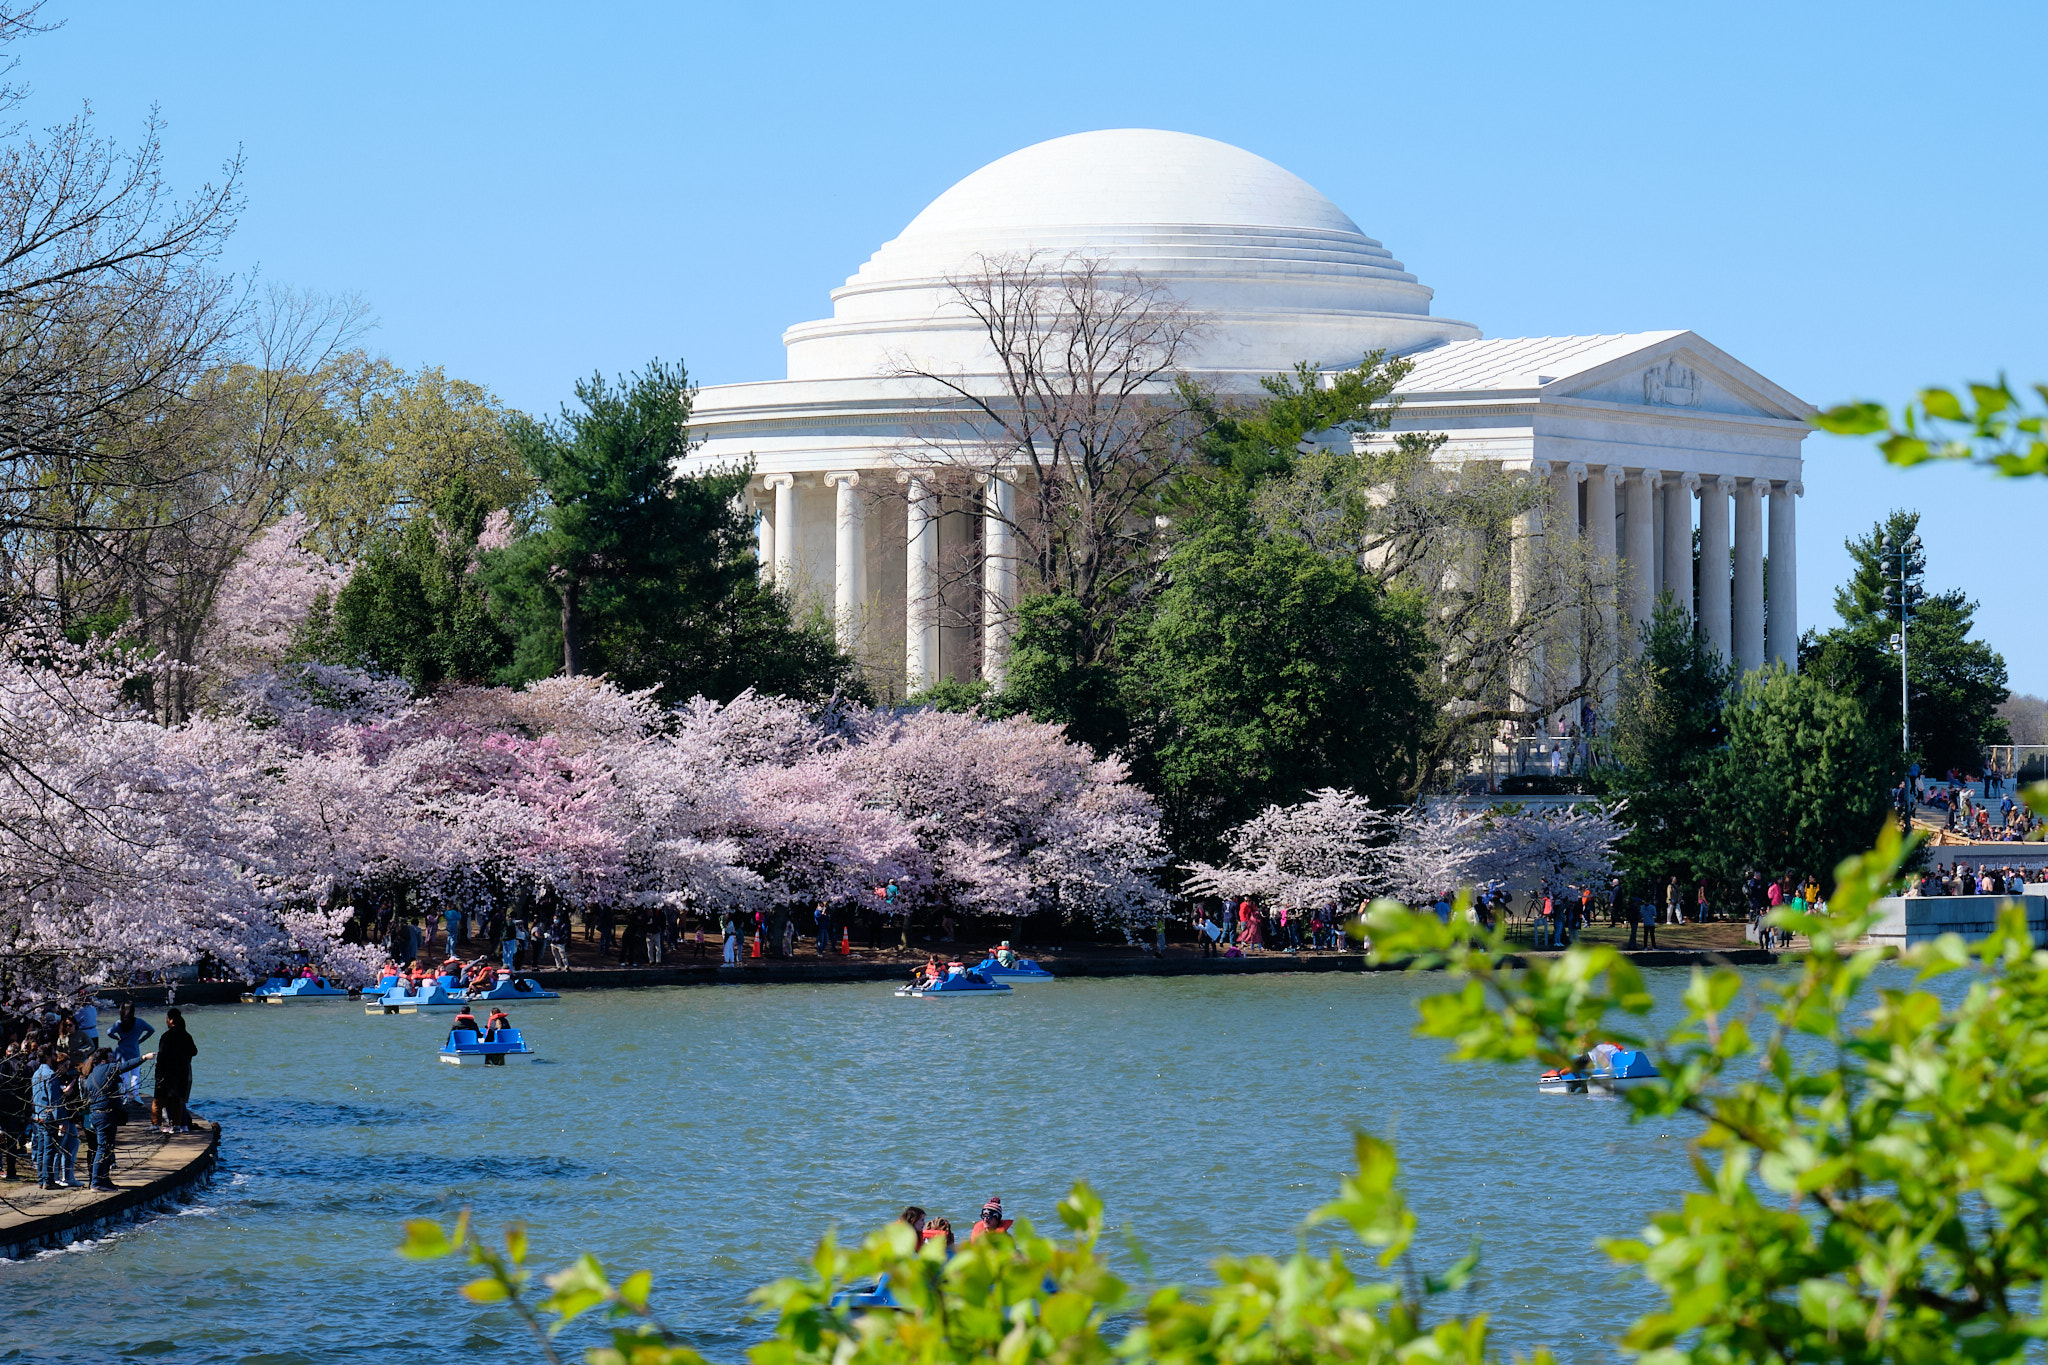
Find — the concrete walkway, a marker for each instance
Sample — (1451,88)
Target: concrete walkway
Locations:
(152,1170)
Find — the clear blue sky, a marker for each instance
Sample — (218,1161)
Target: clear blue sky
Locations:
(1847,197)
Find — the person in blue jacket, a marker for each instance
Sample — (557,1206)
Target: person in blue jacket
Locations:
(128,1035)
(46,1092)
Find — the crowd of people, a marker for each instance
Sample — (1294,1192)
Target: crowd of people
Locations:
(1961,879)
(62,1089)
(535,934)
(1244,927)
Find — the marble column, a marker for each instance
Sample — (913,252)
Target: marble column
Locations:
(764,538)
(787,508)
(1713,567)
(1525,543)
(1783,618)
(1567,642)
(1600,541)
(1640,531)
(1677,576)
(998,576)
(1748,607)
(849,560)
(921,595)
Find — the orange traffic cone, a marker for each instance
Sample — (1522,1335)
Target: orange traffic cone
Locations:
(754,946)
(845,942)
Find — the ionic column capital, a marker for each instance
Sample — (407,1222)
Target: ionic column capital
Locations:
(778,480)
(1540,469)
(846,476)
(1795,488)
(1722,484)
(1614,474)
(1575,472)
(1689,481)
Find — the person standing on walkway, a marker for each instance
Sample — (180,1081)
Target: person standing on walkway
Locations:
(128,1036)
(15,1070)
(1648,914)
(824,926)
(174,1074)
(730,931)
(46,1093)
(101,1085)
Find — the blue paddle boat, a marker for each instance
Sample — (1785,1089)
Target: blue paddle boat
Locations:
(959,983)
(509,987)
(279,989)
(876,1295)
(442,995)
(1606,1069)
(1027,969)
(466,1047)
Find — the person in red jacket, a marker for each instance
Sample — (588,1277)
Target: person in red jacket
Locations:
(992,1219)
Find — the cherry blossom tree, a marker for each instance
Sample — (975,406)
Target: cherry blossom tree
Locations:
(1327,848)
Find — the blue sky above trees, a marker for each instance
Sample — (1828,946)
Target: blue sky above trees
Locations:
(525,193)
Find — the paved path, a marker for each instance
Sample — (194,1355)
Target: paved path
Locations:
(151,1168)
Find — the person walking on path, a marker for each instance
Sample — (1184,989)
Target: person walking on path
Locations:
(174,1056)
(101,1083)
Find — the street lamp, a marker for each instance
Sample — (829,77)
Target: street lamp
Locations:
(1902,552)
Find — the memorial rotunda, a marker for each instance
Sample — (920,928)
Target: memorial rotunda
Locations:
(1628,431)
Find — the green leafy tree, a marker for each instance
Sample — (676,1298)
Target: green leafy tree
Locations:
(1020,1296)
(1054,675)
(415,606)
(397,444)
(1955,683)
(1872,1156)
(1265,671)
(1245,444)
(1668,726)
(641,575)
(1800,784)
(1993,428)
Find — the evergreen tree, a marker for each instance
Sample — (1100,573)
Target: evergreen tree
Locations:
(1954,683)
(415,605)
(1801,783)
(644,576)
(1667,727)
(1265,671)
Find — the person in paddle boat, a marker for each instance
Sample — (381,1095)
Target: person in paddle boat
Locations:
(464,1020)
(941,1231)
(306,972)
(498,1020)
(1006,957)
(992,1219)
(1582,1065)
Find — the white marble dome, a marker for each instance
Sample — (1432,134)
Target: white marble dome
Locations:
(1280,272)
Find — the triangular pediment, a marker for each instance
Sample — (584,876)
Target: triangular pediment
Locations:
(1667,371)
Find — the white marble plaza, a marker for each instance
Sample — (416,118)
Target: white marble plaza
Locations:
(1629,431)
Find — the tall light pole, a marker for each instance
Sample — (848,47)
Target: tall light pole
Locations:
(1902,552)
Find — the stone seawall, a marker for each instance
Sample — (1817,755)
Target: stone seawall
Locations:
(155,1171)
(773,973)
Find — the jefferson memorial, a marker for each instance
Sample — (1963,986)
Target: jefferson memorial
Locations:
(1627,431)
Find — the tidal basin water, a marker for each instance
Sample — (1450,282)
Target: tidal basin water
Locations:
(711,1134)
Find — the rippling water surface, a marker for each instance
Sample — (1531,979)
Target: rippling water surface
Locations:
(710,1134)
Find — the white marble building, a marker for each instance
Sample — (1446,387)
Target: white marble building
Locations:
(1629,430)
